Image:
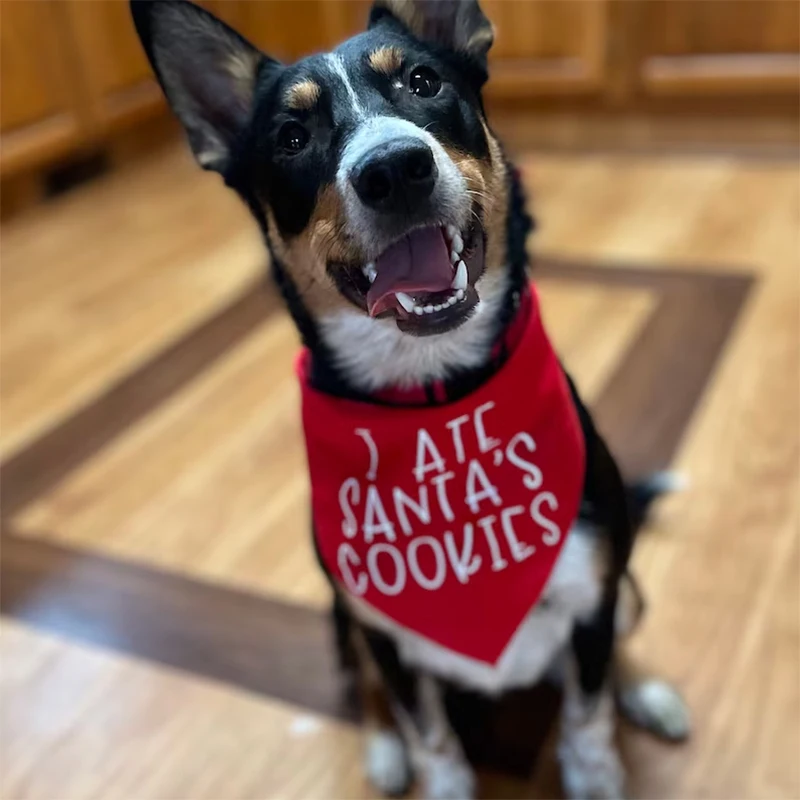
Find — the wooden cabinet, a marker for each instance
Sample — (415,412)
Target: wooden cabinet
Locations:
(614,54)
(290,29)
(547,47)
(73,72)
(736,47)
(42,114)
(114,73)
(633,53)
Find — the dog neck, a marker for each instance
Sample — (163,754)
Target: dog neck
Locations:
(357,357)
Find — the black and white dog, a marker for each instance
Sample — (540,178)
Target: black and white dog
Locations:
(340,157)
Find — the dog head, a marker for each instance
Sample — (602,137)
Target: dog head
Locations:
(382,191)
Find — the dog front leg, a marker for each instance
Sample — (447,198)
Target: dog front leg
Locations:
(417,703)
(386,761)
(590,764)
(436,753)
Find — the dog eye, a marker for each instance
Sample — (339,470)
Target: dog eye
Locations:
(293,137)
(424,82)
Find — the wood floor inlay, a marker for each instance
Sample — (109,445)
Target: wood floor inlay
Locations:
(262,643)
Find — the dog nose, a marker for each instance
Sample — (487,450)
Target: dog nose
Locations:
(395,176)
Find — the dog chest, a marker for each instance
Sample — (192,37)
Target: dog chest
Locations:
(572,593)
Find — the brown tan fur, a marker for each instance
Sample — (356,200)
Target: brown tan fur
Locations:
(303,96)
(487,181)
(305,256)
(386,60)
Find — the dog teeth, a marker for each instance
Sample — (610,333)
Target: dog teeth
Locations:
(405,301)
(370,272)
(454,257)
(454,298)
(458,244)
(460,280)
(452,231)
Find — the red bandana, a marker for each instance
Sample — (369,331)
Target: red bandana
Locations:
(449,519)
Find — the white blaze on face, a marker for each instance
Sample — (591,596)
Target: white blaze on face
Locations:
(336,63)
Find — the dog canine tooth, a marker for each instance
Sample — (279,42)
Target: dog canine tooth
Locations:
(405,301)
(460,280)
(369,271)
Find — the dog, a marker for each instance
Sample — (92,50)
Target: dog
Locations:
(397,232)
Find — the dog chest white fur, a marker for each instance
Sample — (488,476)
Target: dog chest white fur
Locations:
(573,592)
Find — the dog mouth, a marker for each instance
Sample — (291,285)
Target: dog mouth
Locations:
(425,280)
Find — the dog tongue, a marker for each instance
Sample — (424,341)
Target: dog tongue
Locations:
(417,263)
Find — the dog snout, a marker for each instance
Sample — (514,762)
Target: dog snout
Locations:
(395,176)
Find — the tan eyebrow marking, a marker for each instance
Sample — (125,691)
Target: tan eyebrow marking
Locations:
(303,96)
(386,60)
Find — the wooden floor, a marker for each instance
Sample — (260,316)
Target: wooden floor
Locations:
(155,551)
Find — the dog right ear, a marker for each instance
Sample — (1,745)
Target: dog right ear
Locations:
(457,25)
(207,71)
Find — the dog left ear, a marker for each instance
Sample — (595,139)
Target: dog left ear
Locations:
(208,73)
(457,25)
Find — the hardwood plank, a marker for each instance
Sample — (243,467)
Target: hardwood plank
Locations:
(30,471)
(96,282)
(242,639)
(118,728)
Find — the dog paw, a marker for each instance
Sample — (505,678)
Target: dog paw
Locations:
(386,763)
(447,777)
(657,707)
(590,773)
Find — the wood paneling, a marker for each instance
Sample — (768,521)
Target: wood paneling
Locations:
(73,73)
(114,69)
(740,47)
(547,46)
(287,30)
(41,111)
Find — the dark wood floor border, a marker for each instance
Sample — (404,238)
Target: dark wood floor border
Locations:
(245,640)
(284,651)
(39,466)
(649,399)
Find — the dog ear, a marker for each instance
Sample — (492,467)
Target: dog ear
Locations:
(458,25)
(207,71)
